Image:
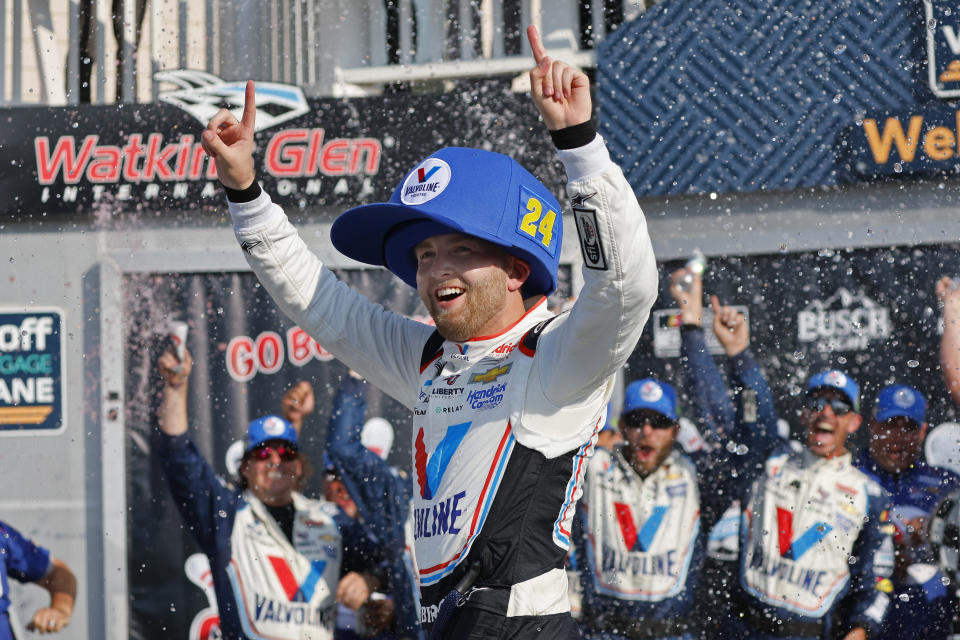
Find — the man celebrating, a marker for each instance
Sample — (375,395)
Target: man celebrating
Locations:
(922,605)
(814,549)
(279,560)
(506,402)
(640,525)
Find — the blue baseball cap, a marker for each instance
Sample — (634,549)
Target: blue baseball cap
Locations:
(459,190)
(901,400)
(834,379)
(653,394)
(268,428)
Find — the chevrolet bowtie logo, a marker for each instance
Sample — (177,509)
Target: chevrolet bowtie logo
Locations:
(490,375)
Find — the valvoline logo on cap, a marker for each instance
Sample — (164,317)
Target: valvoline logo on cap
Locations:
(836,379)
(274,426)
(904,398)
(425,182)
(651,392)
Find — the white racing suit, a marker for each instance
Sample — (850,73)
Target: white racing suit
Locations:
(502,424)
(816,548)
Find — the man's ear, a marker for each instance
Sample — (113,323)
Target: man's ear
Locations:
(856,420)
(517,273)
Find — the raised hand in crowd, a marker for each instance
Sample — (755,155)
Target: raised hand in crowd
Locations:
(172,418)
(686,287)
(297,403)
(948,291)
(730,327)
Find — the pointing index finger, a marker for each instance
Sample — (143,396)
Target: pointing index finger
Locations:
(249,106)
(536,45)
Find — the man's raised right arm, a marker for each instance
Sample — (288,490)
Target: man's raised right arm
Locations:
(382,346)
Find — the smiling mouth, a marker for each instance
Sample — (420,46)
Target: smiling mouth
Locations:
(447,294)
(824,427)
(644,451)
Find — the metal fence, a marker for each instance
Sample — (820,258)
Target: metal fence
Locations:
(103,51)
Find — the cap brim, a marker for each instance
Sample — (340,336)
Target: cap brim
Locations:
(883,416)
(360,233)
(384,234)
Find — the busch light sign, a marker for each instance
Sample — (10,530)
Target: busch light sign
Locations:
(843,322)
(943,47)
(31,371)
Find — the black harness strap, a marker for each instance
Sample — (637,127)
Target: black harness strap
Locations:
(431,350)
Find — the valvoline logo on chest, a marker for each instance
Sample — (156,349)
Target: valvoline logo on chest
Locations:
(431,468)
(297,591)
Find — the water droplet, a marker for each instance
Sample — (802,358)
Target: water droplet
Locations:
(898,168)
(837,98)
(222,513)
(852,560)
(840,48)
(904,597)
(931,24)
(913,364)
(742,449)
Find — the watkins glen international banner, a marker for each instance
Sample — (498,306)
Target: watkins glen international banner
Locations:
(310,152)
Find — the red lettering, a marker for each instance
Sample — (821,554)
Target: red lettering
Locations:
(269,352)
(132,154)
(240,362)
(105,166)
(313,151)
(196,163)
(283,160)
(183,158)
(370,147)
(158,162)
(299,346)
(334,160)
(63,154)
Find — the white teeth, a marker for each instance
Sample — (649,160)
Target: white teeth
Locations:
(449,291)
(825,426)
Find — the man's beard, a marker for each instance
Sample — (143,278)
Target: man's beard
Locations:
(483,299)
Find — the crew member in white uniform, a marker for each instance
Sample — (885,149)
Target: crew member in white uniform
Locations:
(506,402)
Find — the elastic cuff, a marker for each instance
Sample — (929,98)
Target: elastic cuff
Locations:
(587,161)
(689,326)
(576,136)
(239,196)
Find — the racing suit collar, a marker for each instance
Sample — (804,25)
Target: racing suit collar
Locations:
(810,459)
(300,504)
(476,349)
(541,303)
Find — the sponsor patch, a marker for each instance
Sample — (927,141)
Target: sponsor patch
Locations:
(677,490)
(490,375)
(425,182)
(588,231)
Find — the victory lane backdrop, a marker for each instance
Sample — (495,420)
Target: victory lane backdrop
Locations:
(224,395)
(871,313)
